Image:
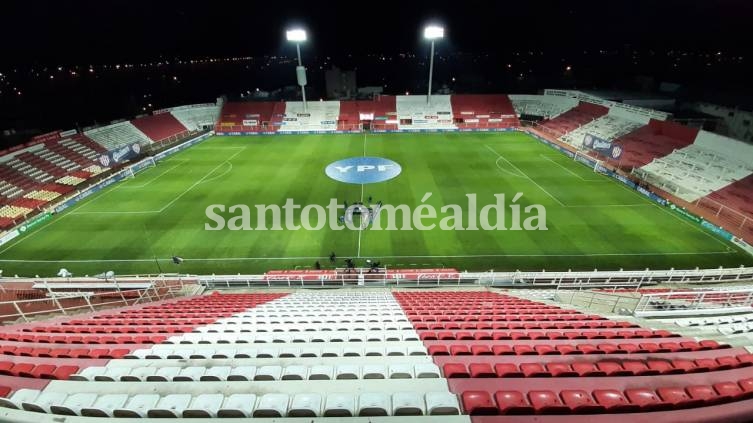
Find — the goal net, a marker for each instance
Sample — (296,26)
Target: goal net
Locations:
(595,164)
(144,164)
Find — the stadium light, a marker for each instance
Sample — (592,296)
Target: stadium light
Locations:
(432,33)
(298,36)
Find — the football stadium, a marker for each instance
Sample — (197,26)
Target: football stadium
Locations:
(425,257)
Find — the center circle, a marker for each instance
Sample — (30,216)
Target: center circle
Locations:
(363,170)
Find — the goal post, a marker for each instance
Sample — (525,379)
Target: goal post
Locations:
(145,163)
(595,164)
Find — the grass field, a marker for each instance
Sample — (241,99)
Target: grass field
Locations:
(593,221)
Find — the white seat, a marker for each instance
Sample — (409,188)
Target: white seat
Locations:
(272,405)
(400,371)
(340,405)
(204,405)
(18,398)
(216,373)
(242,373)
(407,404)
(137,406)
(170,406)
(331,352)
(88,373)
(73,404)
(352,351)
(427,370)
(139,374)
(237,405)
(442,404)
(374,371)
(268,373)
(416,350)
(305,405)
(164,374)
(295,372)
(105,405)
(190,374)
(370,351)
(347,371)
(321,372)
(395,351)
(113,374)
(42,403)
(224,353)
(288,353)
(374,404)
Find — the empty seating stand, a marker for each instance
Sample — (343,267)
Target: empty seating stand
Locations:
(160,127)
(431,356)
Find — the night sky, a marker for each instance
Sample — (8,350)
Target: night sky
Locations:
(66,32)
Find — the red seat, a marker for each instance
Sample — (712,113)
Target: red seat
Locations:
(502,350)
(613,368)
(438,350)
(663,367)
(547,402)
(561,370)
(507,370)
(459,350)
(512,402)
(705,364)
(638,368)
(580,402)
(687,366)
(61,373)
(524,350)
(481,350)
(704,393)
(478,403)
(646,399)
(727,362)
(5,367)
(22,369)
(455,370)
(678,397)
(534,370)
(546,350)
(728,390)
(482,370)
(614,401)
(587,369)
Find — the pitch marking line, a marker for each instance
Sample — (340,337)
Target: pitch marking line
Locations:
(178,197)
(382,257)
(570,171)
(182,162)
(526,176)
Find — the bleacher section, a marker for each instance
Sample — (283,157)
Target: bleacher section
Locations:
(117,135)
(711,163)
(483,111)
(574,118)
(196,117)
(160,127)
(541,106)
(443,356)
(381,113)
(246,117)
(414,113)
(657,139)
(608,127)
(737,196)
(319,116)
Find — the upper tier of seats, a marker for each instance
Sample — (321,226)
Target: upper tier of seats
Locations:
(483,111)
(376,353)
(709,164)
(117,135)
(574,118)
(249,116)
(160,127)
(318,116)
(542,106)
(607,127)
(197,117)
(657,139)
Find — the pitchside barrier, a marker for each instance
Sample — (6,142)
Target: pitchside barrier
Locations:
(543,279)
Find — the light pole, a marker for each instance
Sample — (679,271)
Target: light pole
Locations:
(432,33)
(298,36)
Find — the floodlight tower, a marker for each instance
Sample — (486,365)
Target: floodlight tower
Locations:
(432,33)
(298,36)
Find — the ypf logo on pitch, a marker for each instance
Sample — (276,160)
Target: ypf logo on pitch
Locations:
(363,170)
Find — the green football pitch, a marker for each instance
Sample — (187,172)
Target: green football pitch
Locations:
(136,226)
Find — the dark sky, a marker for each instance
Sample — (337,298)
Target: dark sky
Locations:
(67,32)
